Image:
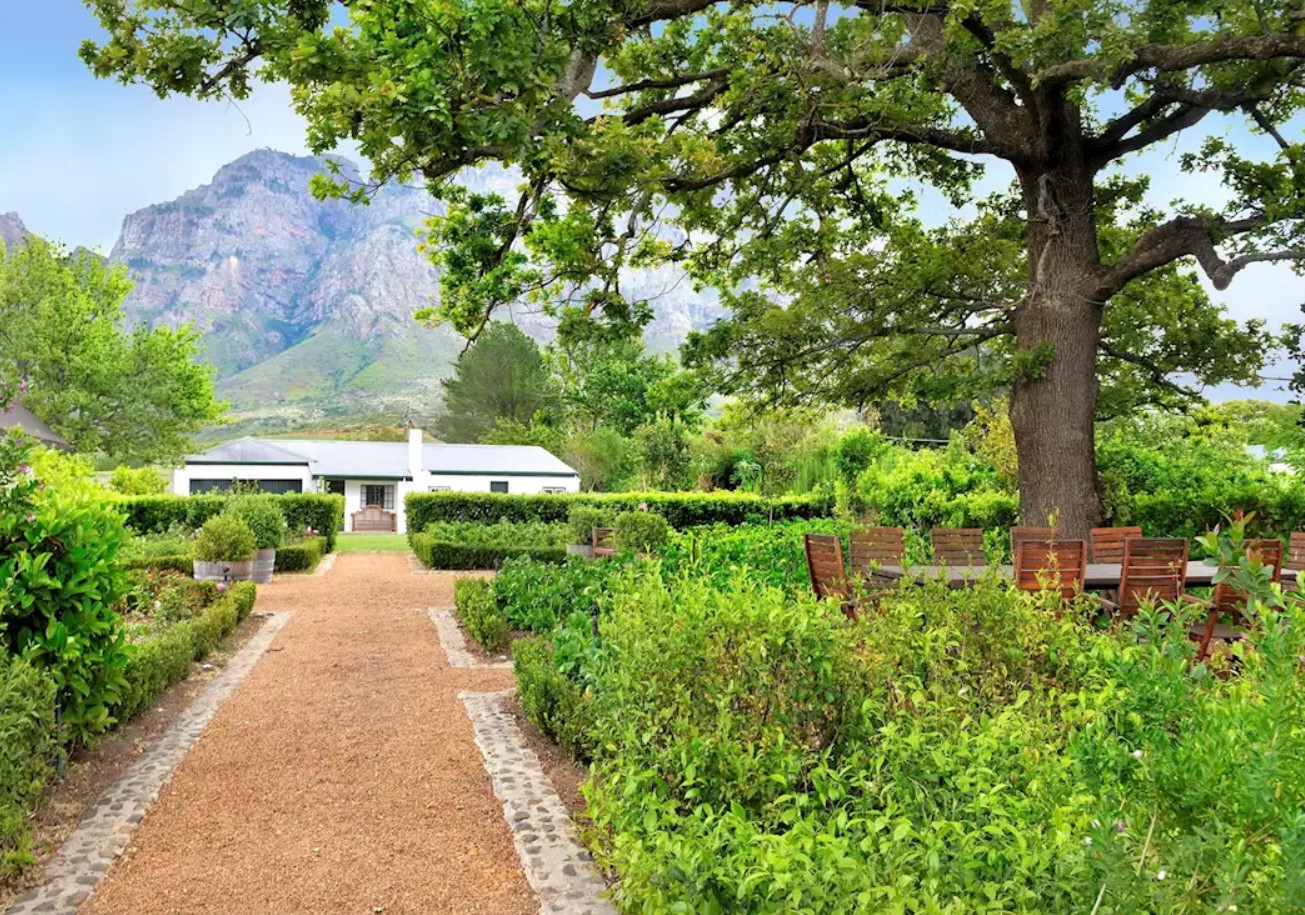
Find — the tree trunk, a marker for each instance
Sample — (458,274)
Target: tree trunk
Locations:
(1057,331)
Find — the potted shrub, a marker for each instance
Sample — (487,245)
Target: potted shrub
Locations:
(641,531)
(581,521)
(224,550)
(264,518)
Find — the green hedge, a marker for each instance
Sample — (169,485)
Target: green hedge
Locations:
(158,514)
(29,745)
(443,554)
(479,613)
(301,556)
(155,665)
(681,509)
(177,562)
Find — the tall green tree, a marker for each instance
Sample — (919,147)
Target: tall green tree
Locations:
(772,129)
(499,381)
(131,394)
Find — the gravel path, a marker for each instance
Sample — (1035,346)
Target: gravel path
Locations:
(340,777)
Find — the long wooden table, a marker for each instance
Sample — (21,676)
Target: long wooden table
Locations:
(1101,576)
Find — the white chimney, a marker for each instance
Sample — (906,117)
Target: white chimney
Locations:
(415,467)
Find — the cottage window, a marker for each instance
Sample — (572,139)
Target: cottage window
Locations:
(379,494)
(498,486)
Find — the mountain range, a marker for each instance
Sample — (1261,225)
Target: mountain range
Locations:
(305,306)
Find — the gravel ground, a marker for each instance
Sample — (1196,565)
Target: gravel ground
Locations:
(340,777)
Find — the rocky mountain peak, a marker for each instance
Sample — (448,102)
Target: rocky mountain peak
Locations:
(12,230)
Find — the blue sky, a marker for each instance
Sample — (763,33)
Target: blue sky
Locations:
(78,154)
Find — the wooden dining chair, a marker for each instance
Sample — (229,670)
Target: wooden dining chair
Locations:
(957,546)
(1229,601)
(1294,561)
(872,546)
(1023,532)
(1153,569)
(828,574)
(1051,565)
(1108,542)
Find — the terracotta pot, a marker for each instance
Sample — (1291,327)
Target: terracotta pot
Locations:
(224,571)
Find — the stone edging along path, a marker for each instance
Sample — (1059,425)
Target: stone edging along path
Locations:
(557,866)
(86,856)
(454,643)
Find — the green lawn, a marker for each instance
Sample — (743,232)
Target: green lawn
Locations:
(367,543)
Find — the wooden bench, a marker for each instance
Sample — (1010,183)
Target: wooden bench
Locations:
(373,518)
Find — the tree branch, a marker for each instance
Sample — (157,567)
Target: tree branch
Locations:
(1175,58)
(1154,371)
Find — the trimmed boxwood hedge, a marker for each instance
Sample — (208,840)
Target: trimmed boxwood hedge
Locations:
(681,509)
(442,554)
(157,514)
(301,555)
(177,562)
(155,665)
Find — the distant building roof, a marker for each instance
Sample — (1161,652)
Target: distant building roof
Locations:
(248,451)
(387,460)
(17,417)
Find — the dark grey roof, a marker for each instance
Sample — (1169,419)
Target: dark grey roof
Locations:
(388,460)
(248,451)
(500,459)
(17,417)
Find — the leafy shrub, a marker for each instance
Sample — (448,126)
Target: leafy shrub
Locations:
(643,532)
(531,534)
(158,551)
(224,539)
(582,519)
(29,745)
(443,554)
(156,664)
(537,596)
(59,581)
(138,481)
(321,512)
(263,517)
(680,509)
(301,555)
(769,554)
(551,701)
(479,614)
(165,597)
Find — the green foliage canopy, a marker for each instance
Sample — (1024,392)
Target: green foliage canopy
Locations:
(129,393)
(501,378)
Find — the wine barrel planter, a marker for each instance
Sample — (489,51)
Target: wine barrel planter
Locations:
(224,571)
(264,565)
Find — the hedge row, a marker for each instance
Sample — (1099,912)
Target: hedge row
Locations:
(681,509)
(155,665)
(158,514)
(29,746)
(443,554)
(301,556)
(176,562)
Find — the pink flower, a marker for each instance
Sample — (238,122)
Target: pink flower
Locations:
(222,586)
(22,386)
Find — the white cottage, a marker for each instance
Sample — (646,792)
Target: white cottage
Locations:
(374,475)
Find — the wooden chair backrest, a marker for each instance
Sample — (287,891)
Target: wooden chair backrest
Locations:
(374,518)
(957,546)
(1154,569)
(1108,542)
(1295,559)
(1023,532)
(825,566)
(870,546)
(1057,565)
(604,541)
(1230,599)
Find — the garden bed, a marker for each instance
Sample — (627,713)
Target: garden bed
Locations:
(91,770)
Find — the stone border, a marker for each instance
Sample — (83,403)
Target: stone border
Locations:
(86,855)
(326,565)
(557,866)
(454,643)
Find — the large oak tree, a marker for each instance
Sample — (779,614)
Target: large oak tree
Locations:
(789,141)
